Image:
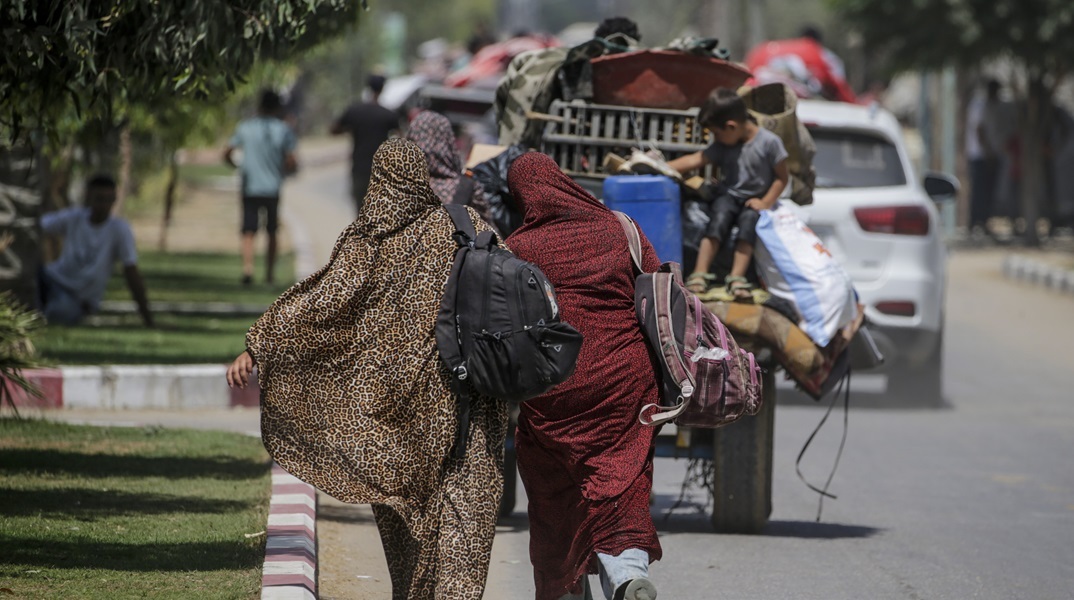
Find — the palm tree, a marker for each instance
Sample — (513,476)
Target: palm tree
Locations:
(17,324)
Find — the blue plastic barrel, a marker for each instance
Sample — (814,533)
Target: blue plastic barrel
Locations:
(653,202)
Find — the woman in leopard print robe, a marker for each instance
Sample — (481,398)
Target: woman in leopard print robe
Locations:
(355,400)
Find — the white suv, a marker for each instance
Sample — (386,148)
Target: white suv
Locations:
(882,224)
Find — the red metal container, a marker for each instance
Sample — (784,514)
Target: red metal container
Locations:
(662,78)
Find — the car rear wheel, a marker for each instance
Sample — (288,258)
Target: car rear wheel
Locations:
(922,384)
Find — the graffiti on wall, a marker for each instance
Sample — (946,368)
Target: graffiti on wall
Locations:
(20,209)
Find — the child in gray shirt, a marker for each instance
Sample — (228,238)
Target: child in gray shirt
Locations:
(752,171)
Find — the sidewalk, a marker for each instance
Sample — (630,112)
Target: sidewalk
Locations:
(315,208)
(1050,266)
(349,561)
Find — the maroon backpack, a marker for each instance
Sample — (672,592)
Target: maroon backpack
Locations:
(708,380)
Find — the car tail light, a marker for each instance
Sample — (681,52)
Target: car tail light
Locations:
(896,308)
(898,220)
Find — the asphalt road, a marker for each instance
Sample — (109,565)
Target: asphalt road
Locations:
(973,500)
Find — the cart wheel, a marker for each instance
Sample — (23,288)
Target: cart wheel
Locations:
(742,468)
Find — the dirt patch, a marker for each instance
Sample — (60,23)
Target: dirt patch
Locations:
(205,219)
(351,563)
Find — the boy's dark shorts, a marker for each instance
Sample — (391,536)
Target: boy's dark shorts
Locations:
(252,206)
(727,211)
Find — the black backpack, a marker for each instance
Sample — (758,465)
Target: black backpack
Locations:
(498,330)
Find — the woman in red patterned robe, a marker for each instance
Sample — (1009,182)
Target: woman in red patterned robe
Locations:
(586,461)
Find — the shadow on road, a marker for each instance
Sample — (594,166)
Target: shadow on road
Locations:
(514,523)
(812,530)
(863,400)
(809,530)
(346,513)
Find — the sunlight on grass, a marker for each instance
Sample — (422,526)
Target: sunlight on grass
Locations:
(122,340)
(178,338)
(130,512)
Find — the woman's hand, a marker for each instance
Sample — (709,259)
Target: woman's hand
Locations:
(238,373)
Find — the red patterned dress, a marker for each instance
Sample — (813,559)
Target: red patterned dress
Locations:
(584,458)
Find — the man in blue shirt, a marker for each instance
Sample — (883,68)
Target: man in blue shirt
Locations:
(268,147)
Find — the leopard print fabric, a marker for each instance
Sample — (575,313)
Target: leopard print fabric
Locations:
(355,400)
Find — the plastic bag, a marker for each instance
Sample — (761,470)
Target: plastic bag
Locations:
(796,266)
(492,177)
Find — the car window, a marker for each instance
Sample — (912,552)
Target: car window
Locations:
(855,159)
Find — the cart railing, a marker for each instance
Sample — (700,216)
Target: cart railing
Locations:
(579,135)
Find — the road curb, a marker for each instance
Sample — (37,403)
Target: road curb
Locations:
(165,387)
(290,571)
(1029,270)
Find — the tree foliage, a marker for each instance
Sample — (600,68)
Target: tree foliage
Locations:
(101,56)
(17,326)
(936,33)
(1037,36)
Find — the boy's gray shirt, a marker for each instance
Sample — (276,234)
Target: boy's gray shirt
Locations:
(748,170)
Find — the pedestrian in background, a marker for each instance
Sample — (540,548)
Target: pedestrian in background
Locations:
(584,457)
(356,401)
(368,124)
(989,131)
(268,155)
(73,285)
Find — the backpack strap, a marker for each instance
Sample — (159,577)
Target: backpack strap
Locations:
(464,191)
(447,330)
(465,234)
(463,225)
(633,239)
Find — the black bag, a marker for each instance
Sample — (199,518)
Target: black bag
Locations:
(498,330)
(464,191)
(492,175)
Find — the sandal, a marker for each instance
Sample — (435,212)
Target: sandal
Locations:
(698,282)
(739,287)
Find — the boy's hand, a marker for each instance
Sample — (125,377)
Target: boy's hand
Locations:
(756,204)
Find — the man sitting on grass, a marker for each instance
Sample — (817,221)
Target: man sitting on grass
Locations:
(93,240)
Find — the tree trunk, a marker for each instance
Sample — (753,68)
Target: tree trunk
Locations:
(1033,172)
(169,201)
(126,166)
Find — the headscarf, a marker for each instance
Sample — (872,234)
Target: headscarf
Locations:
(582,442)
(547,196)
(431,131)
(354,399)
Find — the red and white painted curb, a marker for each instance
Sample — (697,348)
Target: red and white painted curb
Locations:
(165,387)
(291,540)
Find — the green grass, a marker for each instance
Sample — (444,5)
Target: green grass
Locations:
(176,339)
(198,174)
(203,277)
(123,340)
(117,513)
